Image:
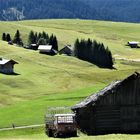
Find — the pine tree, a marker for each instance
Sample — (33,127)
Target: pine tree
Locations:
(17,39)
(39,36)
(76,48)
(36,38)
(51,40)
(41,41)
(32,38)
(4,37)
(8,37)
(109,58)
(55,43)
(45,36)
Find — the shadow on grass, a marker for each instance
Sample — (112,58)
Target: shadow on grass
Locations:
(67,136)
(69,98)
(11,74)
(132,46)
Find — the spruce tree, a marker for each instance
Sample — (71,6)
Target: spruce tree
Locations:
(51,40)
(17,39)
(76,48)
(39,36)
(45,36)
(4,37)
(8,37)
(36,38)
(41,41)
(31,38)
(55,43)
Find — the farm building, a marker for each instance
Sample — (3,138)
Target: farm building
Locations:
(33,46)
(7,66)
(134,44)
(67,50)
(47,49)
(115,109)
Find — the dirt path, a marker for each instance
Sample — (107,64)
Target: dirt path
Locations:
(134,60)
(21,127)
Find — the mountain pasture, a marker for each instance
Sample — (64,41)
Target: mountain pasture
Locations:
(44,81)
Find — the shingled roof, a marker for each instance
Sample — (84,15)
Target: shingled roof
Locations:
(95,96)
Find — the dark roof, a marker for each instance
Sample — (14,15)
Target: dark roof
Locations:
(67,47)
(95,96)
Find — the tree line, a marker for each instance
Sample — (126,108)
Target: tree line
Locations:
(33,38)
(88,50)
(17,38)
(93,52)
(42,39)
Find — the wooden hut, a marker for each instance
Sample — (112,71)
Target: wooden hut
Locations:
(47,49)
(115,109)
(67,50)
(134,44)
(7,66)
(33,47)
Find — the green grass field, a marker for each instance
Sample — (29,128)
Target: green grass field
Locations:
(45,81)
(36,134)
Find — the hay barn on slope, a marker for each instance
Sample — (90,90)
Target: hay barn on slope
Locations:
(47,49)
(115,109)
(7,66)
(67,50)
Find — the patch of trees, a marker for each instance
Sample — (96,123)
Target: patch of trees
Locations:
(93,52)
(6,37)
(17,38)
(34,40)
(42,39)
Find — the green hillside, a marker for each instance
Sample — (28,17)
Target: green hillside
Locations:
(45,81)
(112,34)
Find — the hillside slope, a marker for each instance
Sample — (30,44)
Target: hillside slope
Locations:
(113,34)
(45,81)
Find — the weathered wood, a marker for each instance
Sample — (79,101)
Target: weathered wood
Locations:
(115,109)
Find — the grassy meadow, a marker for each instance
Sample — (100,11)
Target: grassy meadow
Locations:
(36,134)
(43,81)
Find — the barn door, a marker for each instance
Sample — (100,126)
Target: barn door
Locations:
(130,119)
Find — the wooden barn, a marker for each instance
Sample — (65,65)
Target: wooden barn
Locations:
(47,49)
(115,109)
(33,46)
(134,44)
(7,66)
(67,50)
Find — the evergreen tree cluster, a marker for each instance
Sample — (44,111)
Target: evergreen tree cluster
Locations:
(6,37)
(17,38)
(42,39)
(93,52)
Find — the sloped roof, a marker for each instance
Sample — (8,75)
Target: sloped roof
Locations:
(45,47)
(68,47)
(94,97)
(4,61)
(133,42)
